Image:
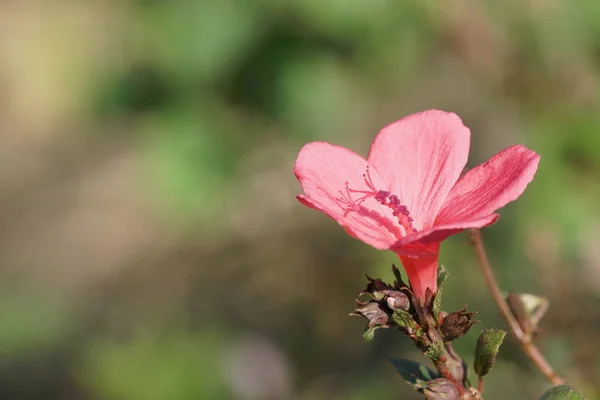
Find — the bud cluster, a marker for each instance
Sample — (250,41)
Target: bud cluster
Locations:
(431,329)
(420,318)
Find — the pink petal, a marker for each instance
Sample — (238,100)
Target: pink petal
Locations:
(420,158)
(490,185)
(324,171)
(415,243)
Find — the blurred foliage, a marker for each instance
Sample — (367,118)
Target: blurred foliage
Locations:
(22,314)
(151,146)
(153,366)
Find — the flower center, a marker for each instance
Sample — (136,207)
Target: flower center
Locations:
(399,210)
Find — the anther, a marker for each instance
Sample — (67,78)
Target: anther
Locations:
(382,196)
(399,210)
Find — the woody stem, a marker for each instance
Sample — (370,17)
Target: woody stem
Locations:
(524,339)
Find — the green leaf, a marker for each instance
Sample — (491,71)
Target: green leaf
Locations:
(562,392)
(487,349)
(414,373)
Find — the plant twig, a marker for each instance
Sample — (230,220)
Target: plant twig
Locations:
(524,339)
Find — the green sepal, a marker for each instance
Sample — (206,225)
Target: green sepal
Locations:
(405,321)
(435,350)
(442,274)
(437,301)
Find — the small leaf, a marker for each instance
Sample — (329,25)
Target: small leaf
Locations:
(528,309)
(562,392)
(487,349)
(369,334)
(437,301)
(414,373)
(437,304)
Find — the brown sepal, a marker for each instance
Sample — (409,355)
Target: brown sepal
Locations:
(374,312)
(457,324)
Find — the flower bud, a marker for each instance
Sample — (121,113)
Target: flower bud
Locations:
(397,301)
(381,291)
(457,324)
(441,389)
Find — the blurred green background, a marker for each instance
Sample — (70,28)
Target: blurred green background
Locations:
(151,247)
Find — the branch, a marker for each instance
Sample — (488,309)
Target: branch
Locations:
(524,339)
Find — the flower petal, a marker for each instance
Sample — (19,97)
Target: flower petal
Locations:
(326,173)
(413,244)
(420,158)
(490,185)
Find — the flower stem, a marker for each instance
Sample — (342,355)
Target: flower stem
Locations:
(524,339)
(444,370)
(480,385)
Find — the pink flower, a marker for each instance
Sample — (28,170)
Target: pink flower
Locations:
(407,196)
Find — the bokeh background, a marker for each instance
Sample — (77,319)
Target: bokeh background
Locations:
(151,247)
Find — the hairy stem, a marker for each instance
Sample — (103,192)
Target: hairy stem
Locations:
(524,339)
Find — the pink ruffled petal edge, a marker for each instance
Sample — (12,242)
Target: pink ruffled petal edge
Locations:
(490,186)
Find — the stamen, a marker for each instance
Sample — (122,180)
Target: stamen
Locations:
(370,185)
(399,210)
(368,180)
(383,197)
(346,200)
